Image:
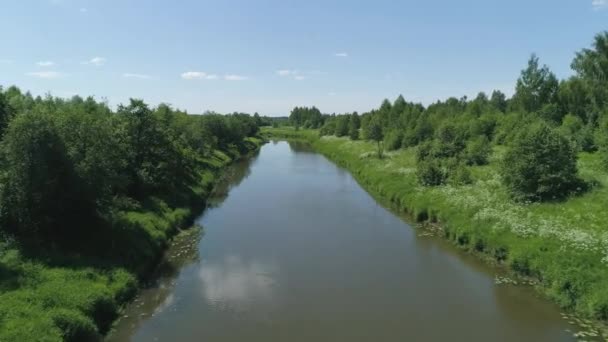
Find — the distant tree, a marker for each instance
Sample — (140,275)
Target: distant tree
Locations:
(498,101)
(6,112)
(353,129)
(540,165)
(536,87)
(591,65)
(374,132)
(342,125)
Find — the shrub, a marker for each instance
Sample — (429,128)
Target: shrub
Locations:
(75,326)
(392,140)
(430,172)
(477,151)
(601,140)
(460,175)
(540,165)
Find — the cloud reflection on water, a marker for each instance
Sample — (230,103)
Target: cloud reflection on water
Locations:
(234,283)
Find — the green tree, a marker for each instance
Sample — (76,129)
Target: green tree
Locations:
(536,87)
(498,101)
(42,196)
(354,124)
(540,165)
(374,132)
(591,65)
(342,124)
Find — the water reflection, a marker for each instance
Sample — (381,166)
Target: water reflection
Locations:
(234,283)
(300,146)
(232,177)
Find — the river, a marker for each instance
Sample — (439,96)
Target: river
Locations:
(293,249)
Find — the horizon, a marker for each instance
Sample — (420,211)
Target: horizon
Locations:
(268,58)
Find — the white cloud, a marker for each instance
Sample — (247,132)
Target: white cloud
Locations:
(341,54)
(235,78)
(96,61)
(295,74)
(599,4)
(198,75)
(140,76)
(286,72)
(45,64)
(45,74)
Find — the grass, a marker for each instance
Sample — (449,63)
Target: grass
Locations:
(563,245)
(76,298)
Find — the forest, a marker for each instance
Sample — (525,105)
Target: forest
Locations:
(521,181)
(90,197)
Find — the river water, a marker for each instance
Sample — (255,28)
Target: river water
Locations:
(293,249)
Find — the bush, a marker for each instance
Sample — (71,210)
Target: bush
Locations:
(601,140)
(477,151)
(460,175)
(430,172)
(75,326)
(540,165)
(392,141)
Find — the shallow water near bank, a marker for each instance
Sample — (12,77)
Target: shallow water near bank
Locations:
(293,249)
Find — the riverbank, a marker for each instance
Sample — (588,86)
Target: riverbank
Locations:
(563,246)
(56,297)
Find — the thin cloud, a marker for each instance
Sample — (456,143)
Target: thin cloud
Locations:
(286,72)
(235,78)
(45,64)
(293,73)
(198,75)
(139,76)
(599,4)
(341,54)
(6,61)
(96,61)
(83,10)
(45,74)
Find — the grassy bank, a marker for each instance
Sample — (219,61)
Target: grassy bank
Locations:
(563,246)
(53,296)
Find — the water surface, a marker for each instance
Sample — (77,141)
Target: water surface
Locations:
(293,249)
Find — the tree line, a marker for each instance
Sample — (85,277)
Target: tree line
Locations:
(543,127)
(68,165)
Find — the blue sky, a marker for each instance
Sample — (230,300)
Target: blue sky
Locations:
(268,56)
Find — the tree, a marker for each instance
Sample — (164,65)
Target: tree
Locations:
(6,112)
(342,124)
(42,197)
(498,101)
(353,129)
(591,65)
(535,87)
(375,133)
(540,165)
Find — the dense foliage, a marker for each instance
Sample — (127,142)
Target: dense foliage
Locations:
(90,196)
(457,133)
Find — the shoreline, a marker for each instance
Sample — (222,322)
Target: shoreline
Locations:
(460,230)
